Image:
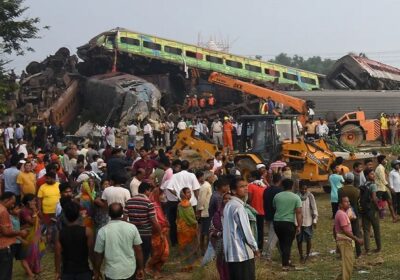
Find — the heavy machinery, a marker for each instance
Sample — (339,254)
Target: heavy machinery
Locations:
(354,127)
(271,138)
(265,138)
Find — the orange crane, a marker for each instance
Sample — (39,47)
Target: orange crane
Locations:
(355,128)
(299,105)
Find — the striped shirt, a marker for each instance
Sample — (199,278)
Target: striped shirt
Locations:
(239,242)
(140,212)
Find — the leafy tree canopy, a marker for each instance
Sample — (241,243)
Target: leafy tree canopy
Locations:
(315,64)
(15,31)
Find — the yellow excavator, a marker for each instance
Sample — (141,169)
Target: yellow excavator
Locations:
(265,138)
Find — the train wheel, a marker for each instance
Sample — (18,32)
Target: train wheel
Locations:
(245,166)
(352,135)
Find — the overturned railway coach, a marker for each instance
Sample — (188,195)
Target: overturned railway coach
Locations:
(358,72)
(121,41)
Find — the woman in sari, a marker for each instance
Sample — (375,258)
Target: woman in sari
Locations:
(216,239)
(34,246)
(187,231)
(87,197)
(159,242)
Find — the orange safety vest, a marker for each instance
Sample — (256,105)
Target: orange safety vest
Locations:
(202,102)
(211,101)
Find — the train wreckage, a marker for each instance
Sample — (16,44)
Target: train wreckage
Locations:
(125,75)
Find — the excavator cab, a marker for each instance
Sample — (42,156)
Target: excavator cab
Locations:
(262,138)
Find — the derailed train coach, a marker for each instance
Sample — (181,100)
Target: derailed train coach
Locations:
(360,72)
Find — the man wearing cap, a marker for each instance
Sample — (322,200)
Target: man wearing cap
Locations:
(353,193)
(216,128)
(394,183)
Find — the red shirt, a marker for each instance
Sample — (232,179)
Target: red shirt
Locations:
(342,223)
(147,165)
(257,201)
(5,223)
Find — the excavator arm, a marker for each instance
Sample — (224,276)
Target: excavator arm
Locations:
(185,138)
(299,105)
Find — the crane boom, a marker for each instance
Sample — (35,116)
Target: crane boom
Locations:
(299,105)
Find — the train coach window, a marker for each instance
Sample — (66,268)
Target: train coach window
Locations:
(253,68)
(308,80)
(234,64)
(151,45)
(271,72)
(130,41)
(288,76)
(194,55)
(172,50)
(214,59)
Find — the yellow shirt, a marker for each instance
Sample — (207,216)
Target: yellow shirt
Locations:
(380,178)
(27,182)
(50,195)
(384,123)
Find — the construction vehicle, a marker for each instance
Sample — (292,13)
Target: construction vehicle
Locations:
(186,139)
(274,137)
(265,138)
(355,128)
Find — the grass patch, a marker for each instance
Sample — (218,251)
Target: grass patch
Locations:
(323,266)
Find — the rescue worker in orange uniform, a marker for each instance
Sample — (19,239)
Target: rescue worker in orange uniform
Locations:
(228,129)
(211,101)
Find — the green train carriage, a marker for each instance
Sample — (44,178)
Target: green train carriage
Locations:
(210,60)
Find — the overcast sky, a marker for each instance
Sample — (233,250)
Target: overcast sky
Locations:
(329,28)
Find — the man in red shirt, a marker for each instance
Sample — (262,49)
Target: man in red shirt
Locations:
(145,163)
(7,235)
(255,199)
(345,238)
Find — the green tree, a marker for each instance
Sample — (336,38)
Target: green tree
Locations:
(15,31)
(315,64)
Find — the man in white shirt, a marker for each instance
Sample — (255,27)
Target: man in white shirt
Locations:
(184,179)
(147,134)
(8,135)
(394,182)
(216,129)
(136,181)
(169,128)
(132,131)
(116,193)
(322,129)
(181,125)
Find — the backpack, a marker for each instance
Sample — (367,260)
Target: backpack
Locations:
(365,200)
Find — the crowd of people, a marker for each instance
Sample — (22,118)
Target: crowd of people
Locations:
(106,210)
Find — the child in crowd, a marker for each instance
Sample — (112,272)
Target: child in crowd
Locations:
(187,230)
